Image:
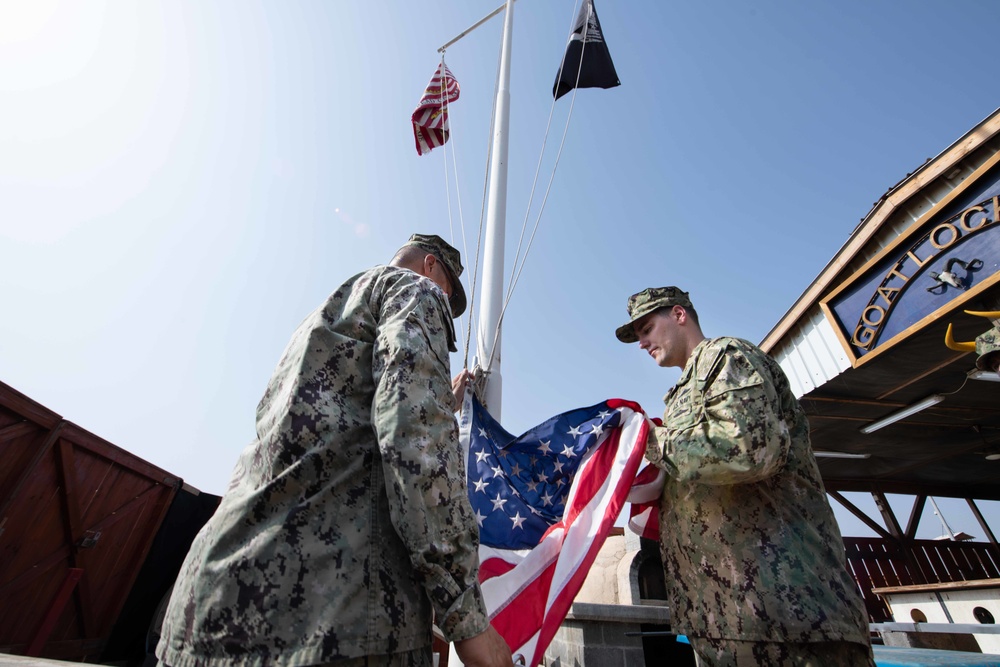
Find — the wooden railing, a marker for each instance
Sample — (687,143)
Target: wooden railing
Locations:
(876,563)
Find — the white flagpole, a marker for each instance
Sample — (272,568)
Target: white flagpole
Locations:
(491,306)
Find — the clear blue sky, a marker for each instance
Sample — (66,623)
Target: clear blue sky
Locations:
(182,182)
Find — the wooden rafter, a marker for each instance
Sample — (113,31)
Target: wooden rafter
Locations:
(856,511)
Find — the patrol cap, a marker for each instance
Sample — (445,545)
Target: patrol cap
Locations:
(452,260)
(645,302)
(987,347)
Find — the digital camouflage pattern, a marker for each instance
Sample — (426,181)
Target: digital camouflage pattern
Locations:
(717,652)
(346,524)
(987,345)
(750,545)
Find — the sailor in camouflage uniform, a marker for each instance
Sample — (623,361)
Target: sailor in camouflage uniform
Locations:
(346,527)
(752,554)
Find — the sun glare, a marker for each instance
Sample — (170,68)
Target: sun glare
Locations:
(22,21)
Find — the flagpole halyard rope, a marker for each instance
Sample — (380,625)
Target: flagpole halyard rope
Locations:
(555,166)
(458,195)
(531,197)
(482,215)
(541,154)
(444,147)
(515,275)
(465,249)
(441,50)
(519,259)
(480,337)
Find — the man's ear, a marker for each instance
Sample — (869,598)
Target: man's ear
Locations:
(428,265)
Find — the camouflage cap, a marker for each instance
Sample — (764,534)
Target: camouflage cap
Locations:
(987,346)
(452,260)
(645,302)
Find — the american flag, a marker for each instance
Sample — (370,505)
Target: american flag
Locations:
(430,119)
(544,503)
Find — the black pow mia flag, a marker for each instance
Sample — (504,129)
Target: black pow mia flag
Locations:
(586,42)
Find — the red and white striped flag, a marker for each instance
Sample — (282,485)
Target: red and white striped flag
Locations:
(545,501)
(644,497)
(430,119)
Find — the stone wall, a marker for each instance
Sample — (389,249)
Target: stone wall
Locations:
(611,623)
(605,635)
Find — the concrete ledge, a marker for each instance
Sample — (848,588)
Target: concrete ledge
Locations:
(10,660)
(948,628)
(619,613)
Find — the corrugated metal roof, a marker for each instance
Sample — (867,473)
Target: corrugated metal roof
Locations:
(811,354)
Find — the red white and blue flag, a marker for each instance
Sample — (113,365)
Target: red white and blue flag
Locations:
(544,502)
(430,119)
(644,510)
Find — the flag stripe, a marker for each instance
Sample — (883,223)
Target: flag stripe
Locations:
(518,489)
(494,567)
(620,466)
(584,542)
(520,622)
(430,119)
(517,623)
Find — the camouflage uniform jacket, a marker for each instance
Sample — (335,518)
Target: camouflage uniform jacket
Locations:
(347,521)
(750,546)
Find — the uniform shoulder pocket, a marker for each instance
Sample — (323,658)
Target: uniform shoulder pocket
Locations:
(730,369)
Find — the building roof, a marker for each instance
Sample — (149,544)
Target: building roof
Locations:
(866,339)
